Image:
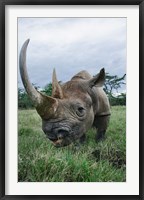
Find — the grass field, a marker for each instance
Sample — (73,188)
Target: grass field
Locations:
(40,161)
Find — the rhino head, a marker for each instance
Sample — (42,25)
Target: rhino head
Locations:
(70,111)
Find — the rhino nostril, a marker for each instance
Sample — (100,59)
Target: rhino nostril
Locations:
(60,136)
(62,133)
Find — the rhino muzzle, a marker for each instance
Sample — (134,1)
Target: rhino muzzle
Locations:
(60,135)
(56,134)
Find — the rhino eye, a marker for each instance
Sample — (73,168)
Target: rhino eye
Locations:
(80,111)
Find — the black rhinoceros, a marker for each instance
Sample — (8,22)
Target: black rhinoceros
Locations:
(74,106)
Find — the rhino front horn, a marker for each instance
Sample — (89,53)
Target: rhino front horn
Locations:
(32,92)
(40,101)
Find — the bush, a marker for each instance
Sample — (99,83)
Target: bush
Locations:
(24,101)
(119,100)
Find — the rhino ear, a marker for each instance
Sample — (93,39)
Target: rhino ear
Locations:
(56,88)
(98,80)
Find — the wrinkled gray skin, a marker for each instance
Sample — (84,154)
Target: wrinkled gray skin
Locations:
(74,107)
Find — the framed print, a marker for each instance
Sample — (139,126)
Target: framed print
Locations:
(71,99)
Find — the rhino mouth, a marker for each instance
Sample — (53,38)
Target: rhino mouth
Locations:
(58,143)
(60,137)
(62,142)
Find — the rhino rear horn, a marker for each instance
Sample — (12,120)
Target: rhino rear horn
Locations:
(56,88)
(42,102)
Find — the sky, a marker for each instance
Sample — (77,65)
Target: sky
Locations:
(72,44)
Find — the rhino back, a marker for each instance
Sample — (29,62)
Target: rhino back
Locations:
(82,75)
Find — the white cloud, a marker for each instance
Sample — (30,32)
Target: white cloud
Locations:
(73,44)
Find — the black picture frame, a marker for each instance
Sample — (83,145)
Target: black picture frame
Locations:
(3,3)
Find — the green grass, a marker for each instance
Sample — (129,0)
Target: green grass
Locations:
(40,161)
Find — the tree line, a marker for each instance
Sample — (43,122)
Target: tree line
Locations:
(111,87)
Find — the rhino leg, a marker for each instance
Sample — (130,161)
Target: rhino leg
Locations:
(101,124)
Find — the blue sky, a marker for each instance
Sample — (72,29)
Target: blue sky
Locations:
(72,44)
